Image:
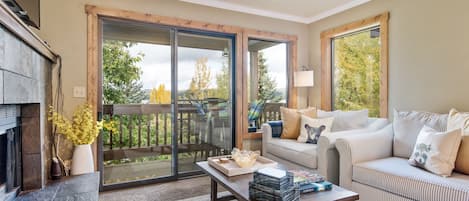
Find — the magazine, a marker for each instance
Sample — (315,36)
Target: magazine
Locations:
(306,177)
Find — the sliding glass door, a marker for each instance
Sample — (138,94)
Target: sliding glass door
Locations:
(204,97)
(166,96)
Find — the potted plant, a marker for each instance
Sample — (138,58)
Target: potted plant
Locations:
(81,130)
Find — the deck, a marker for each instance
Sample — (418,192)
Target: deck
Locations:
(141,145)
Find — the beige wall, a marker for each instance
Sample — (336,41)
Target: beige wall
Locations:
(428,52)
(63,26)
(429,44)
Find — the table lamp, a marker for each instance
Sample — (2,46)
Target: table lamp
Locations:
(304,79)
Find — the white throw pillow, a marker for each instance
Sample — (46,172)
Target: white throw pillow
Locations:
(407,125)
(436,151)
(346,120)
(458,120)
(316,123)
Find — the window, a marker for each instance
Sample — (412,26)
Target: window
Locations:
(268,76)
(354,65)
(355,71)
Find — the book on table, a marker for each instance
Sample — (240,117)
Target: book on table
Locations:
(273,184)
(310,182)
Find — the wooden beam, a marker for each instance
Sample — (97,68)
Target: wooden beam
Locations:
(292,68)
(240,113)
(157,19)
(92,71)
(326,76)
(326,64)
(355,26)
(383,87)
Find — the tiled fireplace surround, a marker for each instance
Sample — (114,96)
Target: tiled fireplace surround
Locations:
(25,81)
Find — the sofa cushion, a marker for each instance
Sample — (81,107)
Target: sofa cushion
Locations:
(346,120)
(396,176)
(407,126)
(294,151)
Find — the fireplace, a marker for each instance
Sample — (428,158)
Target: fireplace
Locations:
(12,163)
(25,94)
(10,151)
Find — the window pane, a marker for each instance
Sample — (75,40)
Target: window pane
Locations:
(356,71)
(137,101)
(267,79)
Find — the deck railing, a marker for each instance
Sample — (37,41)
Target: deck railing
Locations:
(146,129)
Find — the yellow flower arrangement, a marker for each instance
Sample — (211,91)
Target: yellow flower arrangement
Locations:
(82,129)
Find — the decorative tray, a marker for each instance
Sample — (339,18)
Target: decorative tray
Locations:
(230,168)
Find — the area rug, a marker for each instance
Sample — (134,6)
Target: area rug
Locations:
(205,197)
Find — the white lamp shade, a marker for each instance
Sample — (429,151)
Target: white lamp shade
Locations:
(304,78)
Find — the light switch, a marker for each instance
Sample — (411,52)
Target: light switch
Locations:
(79,92)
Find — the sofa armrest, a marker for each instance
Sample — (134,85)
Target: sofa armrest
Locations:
(360,148)
(266,136)
(328,156)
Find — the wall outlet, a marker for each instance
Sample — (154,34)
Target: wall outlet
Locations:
(79,92)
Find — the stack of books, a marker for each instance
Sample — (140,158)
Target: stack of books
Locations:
(271,184)
(310,182)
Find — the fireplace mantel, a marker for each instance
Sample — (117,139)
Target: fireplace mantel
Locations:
(15,25)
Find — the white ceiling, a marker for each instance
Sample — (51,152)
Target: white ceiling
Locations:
(303,11)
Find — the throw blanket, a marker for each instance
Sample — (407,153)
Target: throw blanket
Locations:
(277,127)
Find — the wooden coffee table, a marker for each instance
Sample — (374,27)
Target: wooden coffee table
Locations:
(239,187)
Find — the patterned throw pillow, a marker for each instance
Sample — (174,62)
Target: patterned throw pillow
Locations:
(312,128)
(314,133)
(255,110)
(436,151)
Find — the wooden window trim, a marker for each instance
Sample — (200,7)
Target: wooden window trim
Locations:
(242,34)
(326,65)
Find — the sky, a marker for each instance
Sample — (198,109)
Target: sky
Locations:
(156,64)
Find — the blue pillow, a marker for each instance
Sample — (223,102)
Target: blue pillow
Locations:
(277,127)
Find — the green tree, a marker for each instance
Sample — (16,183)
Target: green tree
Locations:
(121,80)
(223,82)
(200,82)
(266,90)
(357,69)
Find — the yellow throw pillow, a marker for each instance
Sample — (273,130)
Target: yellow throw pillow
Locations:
(458,120)
(462,161)
(292,119)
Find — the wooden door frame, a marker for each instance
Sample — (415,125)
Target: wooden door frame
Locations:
(380,20)
(94,13)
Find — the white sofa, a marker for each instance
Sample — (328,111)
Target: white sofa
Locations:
(368,166)
(322,157)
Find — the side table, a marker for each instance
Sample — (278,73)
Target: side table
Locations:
(252,141)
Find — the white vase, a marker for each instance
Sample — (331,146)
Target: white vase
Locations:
(82,160)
